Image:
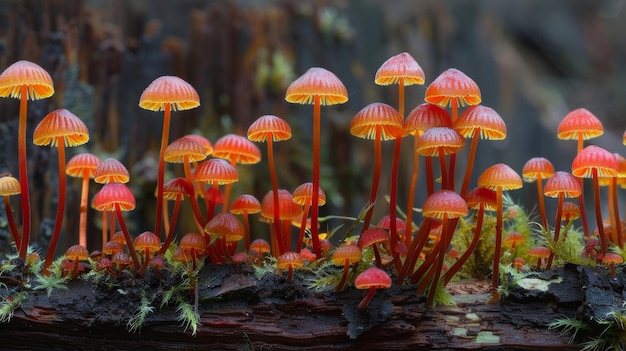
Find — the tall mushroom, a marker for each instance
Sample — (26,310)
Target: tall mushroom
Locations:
(316,86)
(166,93)
(538,169)
(498,177)
(270,128)
(25,80)
(59,128)
(83,166)
(245,205)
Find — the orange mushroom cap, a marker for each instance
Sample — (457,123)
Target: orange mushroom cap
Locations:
(377,116)
(208,147)
(112,247)
(9,186)
(562,183)
(580,122)
(288,209)
(424,117)
(81,164)
(63,124)
(594,157)
(38,81)
(259,245)
(111,171)
(216,170)
(482,118)
(438,138)
(535,167)
(612,258)
(193,241)
(513,239)
(290,259)
(500,175)
(269,126)
(77,253)
(403,66)
(317,82)
(570,211)
(303,194)
(453,84)
(344,253)
(245,203)
(112,194)
(184,148)
(481,196)
(176,187)
(171,90)
(226,226)
(236,147)
(372,278)
(372,236)
(539,252)
(147,241)
(121,258)
(444,203)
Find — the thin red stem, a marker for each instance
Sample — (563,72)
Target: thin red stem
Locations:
(430,178)
(393,230)
(227,189)
(444,173)
(470,163)
(12,225)
(129,240)
(615,208)
(596,200)
(557,229)
(495,279)
(344,276)
(542,206)
(84,198)
(411,198)
(316,178)
(366,300)
(417,244)
(246,227)
(25,201)
(56,233)
(375,180)
(470,249)
(270,161)
(305,216)
(161,174)
(170,233)
(194,201)
(443,247)
(104,227)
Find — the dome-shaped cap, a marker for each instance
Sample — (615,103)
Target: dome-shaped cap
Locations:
(537,167)
(269,126)
(424,117)
(580,122)
(483,119)
(113,194)
(24,73)
(439,138)
(377,117)
(317,82)
(60,125)
(238,148)
(562,183)
(184,148)
(500,176)
(444,203)
(81,164)
(451,85)
(594,158)
(171,90)
(401,66)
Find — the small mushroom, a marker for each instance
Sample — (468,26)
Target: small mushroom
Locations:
(372,278)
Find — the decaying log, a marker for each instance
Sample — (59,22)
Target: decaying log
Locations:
(240,312)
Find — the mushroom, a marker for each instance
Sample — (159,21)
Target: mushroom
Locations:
(147,243)
(76,253)
(401,69)
(83,166)
(378,122)
(175,189)
(372,237)
(612,259)
(442,205)
(25,80)
(261,247)
(420,119)
(289,260)
(372,278)
(110,171)
(593,162)
(271,128)
(235,149)
(59,128)
(245,205)
(580,124)
(316,86)
(477,121)
(216,172)
(538,169)
(518,263)
(288,211)
(10,186)
(225,228)
(165,94)
(303,196)
(440,141)
(345,256)
(560,185)
(540,252)
(193,244)
(480,200)
(498,177)
(117,197)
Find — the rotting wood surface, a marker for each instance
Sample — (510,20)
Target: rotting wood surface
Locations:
(239,312)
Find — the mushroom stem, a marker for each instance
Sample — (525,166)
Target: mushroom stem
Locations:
(270,161)
(129,240)
(444,173)
(377,256)
(375,180)
(393,230)
(495,279)
(557,228)
(170,233)
(192,196)
(344,276)
(161,174)
(23,173)
(409,208)
(414,250)
(470,163)
(443,247)
(246,227)
(470,249)
(596,200)
(305,215)
(430,178)
(104,228)
(84,197)
(146,259)
(366,300)
(290,274)
(316,177)
(542,206)
(60,205)
(12,225)
(450,185)
(614,207)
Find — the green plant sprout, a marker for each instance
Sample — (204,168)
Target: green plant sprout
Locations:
(138,318)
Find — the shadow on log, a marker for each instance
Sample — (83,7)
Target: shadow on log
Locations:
(240,312)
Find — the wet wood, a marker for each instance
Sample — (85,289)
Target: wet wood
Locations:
(239,312)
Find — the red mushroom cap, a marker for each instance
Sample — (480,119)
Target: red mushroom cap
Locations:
(451,85)
(401,66)
(317,82)
(444,203)
(372,278)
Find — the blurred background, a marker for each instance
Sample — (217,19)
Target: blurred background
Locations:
(533,60)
